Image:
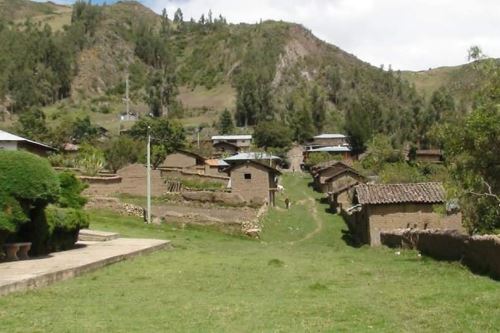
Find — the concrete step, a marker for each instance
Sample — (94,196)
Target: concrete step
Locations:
(87,235)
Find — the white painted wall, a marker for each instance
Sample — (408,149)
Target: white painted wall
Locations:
(8,145)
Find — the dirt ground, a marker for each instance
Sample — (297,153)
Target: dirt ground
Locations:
(295,158)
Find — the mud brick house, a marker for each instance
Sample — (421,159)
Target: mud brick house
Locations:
(383,207)
(224,148)
(254,182)
(342,152)
(10,141)
(341,187)
(328,140)
(241,141)
(182,159)
(322,176)
(429,155)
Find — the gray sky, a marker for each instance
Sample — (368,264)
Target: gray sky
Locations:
(408,34)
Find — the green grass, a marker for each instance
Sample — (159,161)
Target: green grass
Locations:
(286,282)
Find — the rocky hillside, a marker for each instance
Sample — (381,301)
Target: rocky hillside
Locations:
(275,69)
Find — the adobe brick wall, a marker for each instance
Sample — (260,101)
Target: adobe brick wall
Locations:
(255,189)
(178,160)
(483,254)
(400,216)
(480,253)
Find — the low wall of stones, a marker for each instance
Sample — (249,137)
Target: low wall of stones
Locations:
(112,179)
(115,205)
(480,253)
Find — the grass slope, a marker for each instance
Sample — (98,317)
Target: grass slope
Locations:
(300,277)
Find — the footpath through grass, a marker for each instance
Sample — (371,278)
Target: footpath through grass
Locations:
(301,276)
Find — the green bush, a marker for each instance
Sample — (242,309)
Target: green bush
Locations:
(71,189)
(64,225)
(27,185)
(28,178)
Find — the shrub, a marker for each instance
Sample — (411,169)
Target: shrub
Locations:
(400,173)
(64,225)
(120,152)
(71,189)
(91,160)
(28,178)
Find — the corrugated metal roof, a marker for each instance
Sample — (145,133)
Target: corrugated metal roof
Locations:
(252,156)
(330,136)
(232,137)
(217,163)
(400,193)
(5,136)
(330,149)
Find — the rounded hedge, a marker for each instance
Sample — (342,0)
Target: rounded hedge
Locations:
(26,176)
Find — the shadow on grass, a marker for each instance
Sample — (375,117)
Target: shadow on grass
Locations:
(350,240)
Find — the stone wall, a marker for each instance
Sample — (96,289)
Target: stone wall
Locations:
(480,253)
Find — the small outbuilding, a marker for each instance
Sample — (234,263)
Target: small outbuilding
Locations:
(323,176)
(183,159)
(254,181)
(383,207)
(225,148)
(241,141)
(340,187)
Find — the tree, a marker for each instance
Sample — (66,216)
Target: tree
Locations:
(178,16)
(164,132)
(358,126)
(272,134)
(162,90)
(32,125)
(318,108)
(379,152)
(82,130)
(225,125)
(165,24)
(158,155)
(121,151)
(472,152)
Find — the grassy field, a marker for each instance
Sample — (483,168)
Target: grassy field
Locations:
(300,277)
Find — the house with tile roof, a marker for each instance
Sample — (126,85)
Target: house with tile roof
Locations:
(383,207)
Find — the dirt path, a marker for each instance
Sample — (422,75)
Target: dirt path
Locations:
(313,209)
(295,158)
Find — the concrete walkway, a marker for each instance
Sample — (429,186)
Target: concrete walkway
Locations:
(88,256)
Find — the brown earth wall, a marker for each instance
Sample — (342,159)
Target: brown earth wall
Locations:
(480,253)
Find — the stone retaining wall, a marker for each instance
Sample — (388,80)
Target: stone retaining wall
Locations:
(225,198)
(480,253)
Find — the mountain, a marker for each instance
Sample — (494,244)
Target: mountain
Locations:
(461,81)
(284,70)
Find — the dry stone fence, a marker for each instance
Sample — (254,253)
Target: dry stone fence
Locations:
(480,253)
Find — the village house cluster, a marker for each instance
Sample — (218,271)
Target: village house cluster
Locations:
(370,209)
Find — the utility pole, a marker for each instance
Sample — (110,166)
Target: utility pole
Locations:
(198,133)
(149,177)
